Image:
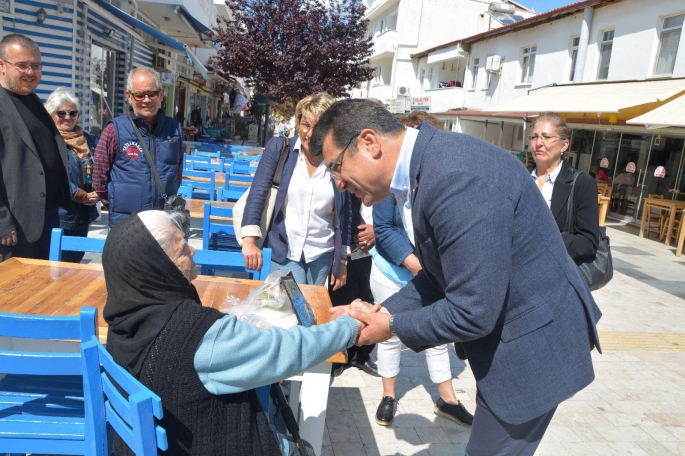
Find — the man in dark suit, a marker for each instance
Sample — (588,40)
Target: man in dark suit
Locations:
(33,156)
(496,276)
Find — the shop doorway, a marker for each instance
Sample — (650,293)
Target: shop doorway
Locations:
(180,102)
(103,86)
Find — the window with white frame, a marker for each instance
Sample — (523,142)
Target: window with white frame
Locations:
(430,77)
(422,77)
(474,71)
(605,48)
(574,56)
(668,44)
(378,75)
(528,64)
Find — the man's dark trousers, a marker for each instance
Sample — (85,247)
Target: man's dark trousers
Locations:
(40,249)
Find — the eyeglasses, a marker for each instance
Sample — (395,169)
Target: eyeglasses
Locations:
(544,138)
(63,114)
(305,127)
(337,163)
(140,96)
(24,67)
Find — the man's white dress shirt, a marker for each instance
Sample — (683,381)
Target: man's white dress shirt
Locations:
(400,186)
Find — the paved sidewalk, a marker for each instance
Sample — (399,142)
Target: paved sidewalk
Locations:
(635,406)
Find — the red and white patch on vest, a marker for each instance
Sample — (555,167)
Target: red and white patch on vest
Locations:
(132,150)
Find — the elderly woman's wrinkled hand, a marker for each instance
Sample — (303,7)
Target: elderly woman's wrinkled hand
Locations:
(356,305)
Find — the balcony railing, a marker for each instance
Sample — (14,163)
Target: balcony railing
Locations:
(385,44)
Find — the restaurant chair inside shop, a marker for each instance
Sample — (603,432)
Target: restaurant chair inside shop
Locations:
(60,243)
(604,189)
(200,184)
(232,261)
(658,216)
(131,415)
(238,148)
(208,154)
(42,394)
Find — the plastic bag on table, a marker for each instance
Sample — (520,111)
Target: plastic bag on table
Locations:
(265,306)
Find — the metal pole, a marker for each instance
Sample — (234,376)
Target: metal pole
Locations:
(644,177)
(679,174)
(618,155)
(592,150)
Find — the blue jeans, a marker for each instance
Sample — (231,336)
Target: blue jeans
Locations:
(314,273)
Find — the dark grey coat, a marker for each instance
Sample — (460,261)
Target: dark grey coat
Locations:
(22,181)
(496,277)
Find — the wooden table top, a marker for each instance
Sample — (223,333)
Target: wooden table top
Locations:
(219,178)
(41,287)
(197,208)
(675,204)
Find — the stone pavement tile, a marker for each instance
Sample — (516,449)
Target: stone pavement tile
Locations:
(327,450)
(595,419)
(654,448)
(657,432)
(551,449)
(342,428)
(384,449)
(618,434)
(326,438)
(626,419)
(379,434)
(432,435)
(664,419)
(617,449)
(560,434)
(446,449)
(579,449)
(586,434)
(679,432)
(365,419)
(350,381)
(461,435)
(601,406)
(576,407)
(675,447)
(407,449)
(416,420)
(420,406)
(348,449)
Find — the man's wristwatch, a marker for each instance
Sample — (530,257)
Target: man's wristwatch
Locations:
(343,260)
(392,325)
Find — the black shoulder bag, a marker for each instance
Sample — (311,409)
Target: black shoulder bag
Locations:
(598,270)
(172,204)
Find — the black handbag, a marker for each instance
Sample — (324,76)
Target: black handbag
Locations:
(598,270)
(172,204)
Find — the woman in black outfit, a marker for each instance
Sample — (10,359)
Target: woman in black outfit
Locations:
(554,177)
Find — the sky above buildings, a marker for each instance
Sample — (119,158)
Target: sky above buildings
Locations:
(542,6)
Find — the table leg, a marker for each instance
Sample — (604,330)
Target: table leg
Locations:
(681,236)
(645,209)
(671,219)
(313,403)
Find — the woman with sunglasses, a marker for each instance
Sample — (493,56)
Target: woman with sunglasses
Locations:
(310,231)
(63,107)
(553,175)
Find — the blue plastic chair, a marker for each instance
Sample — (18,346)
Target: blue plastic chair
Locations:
(218,234)
(232,261)
(207,153)
(245,169)
(131,416)
(238,148)
(189,161)
(232,193)
(41,395)
(200,189)
(59,243)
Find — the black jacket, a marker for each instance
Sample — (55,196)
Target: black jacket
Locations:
(22,183)
(583,244)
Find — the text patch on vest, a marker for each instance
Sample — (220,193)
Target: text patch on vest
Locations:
(132,150)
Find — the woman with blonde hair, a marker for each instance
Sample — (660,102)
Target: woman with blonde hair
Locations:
(310,231)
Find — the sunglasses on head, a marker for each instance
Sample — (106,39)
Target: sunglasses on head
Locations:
(140,96)
(63,114)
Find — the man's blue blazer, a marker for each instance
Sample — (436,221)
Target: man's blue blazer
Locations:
(496,277)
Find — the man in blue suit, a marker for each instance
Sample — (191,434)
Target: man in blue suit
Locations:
(496,276)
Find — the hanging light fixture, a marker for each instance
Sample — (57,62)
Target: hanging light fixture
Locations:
(40,16)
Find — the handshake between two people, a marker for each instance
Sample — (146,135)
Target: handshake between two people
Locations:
(373,321)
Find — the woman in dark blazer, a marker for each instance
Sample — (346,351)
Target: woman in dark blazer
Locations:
(554,177)
(310,232)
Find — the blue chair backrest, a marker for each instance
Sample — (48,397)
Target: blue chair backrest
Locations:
(220,228)
(45,327)
(190,161)
(231,193)
(206,153)
(233,261)
(238,148)
(248,158)
(243,169)
(132,416)
(59,243)
(200,189)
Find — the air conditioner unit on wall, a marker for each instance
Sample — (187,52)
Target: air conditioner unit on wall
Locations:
(403,91)
(493,64)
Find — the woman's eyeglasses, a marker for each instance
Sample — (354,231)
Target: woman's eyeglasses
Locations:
(63,114)
(140,96)
(544,138)
(304,128)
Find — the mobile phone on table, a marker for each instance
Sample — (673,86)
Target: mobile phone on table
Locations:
(303,311)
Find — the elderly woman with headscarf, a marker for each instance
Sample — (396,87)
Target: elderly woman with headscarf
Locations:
(63,107)
(203,364)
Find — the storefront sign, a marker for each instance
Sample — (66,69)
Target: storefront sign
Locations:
(421,104)
(660,171)
(396,106)
(630,167)
(604,163)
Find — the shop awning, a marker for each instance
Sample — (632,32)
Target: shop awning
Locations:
(160,36)
(595,97)
(196,24)
(672,114)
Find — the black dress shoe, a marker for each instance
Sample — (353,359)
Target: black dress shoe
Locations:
(369,367)
(456,413)
(386,411)
(338,369)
